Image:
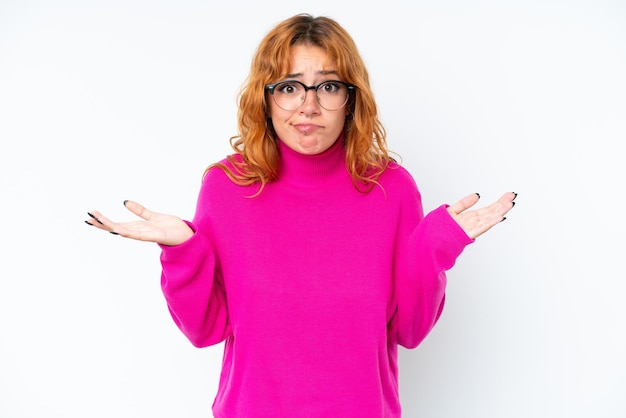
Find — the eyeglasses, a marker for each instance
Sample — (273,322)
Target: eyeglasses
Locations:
(290,94)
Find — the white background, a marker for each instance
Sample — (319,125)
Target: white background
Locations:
(102,101)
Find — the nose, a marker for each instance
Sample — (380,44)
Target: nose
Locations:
(310,105)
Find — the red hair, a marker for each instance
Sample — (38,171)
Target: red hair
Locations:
(367,155)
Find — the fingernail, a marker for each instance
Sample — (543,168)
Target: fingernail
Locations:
(97,220)
(125,202)
(477,194)
(89,223)
(513,203)
(503,219)
(515,195)
(114,233)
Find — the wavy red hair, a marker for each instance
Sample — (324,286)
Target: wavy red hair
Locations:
(257,155)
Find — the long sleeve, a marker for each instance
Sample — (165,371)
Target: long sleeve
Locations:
(431,249)
(194,291)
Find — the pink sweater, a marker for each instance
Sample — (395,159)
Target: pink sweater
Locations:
(312,286)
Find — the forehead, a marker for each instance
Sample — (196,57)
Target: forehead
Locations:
(309,58)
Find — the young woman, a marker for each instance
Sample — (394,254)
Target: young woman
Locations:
(309,254)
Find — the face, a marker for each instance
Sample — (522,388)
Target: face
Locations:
(310,129)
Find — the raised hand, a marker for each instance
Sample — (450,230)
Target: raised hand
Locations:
(478,221)
(154,227)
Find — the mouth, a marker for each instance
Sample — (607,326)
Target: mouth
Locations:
(306,128)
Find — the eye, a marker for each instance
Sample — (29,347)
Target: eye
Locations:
(330,87)
(288,88)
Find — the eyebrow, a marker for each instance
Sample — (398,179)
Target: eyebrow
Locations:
(322,72)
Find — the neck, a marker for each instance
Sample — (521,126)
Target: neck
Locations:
(311,170)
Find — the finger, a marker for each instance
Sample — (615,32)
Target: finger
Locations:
(138,230)
(479,221)
(139,210)
(100,221)
(464,204)
(93,218)
(506,202)
(93,221)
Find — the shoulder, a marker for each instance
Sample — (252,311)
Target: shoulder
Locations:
(398,190)
(222,177)
(398,179)
(217,170)
(222,171)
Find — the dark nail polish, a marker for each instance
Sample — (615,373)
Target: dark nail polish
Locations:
(114,233)
(513,203)
(88,223)
(503,219)
(125,202)
(515,195)
(96,219)
(477,194)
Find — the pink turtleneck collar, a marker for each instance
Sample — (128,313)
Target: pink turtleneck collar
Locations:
(311,170)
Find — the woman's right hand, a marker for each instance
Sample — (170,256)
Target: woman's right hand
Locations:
(155,227)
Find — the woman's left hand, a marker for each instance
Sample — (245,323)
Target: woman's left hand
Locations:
(478,221)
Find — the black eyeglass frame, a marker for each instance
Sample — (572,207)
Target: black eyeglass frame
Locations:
(351,88)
